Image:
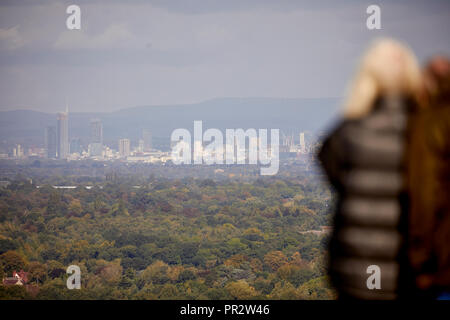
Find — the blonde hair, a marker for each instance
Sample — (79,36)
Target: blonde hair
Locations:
(387,68)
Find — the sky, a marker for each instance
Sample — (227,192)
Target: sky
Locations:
(133,53)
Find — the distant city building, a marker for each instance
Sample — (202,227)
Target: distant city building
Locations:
(75,146)
(108,153)
(96,131)
(50,142)
(141,146)
(63,135)
(288,140)
(302,142)
(95,149)
(287,143)
(147,137)
(18,152)
(124,147)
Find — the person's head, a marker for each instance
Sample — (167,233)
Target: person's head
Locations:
(387,68)
(436,77)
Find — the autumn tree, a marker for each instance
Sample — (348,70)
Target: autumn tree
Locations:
(275,259)
(10,261)
(37,272)
(241,290)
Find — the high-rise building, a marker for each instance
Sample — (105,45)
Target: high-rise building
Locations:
(147,137)
(76,146)
(302,142)
(18,151)
(288,141)
(50,142)
(63,135)
(141,145)
(124,147)
(96,141)
(96,131)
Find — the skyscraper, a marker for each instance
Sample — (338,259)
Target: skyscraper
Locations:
(96,131)
(63,135)
(147,137)
(50,142)
(124,147)
(96,140)
(302,142)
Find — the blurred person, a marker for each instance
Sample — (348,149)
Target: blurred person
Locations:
(429,185)
(364,159)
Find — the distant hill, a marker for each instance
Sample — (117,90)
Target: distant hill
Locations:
(289,115)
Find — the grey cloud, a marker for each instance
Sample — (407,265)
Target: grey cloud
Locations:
(162,52)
